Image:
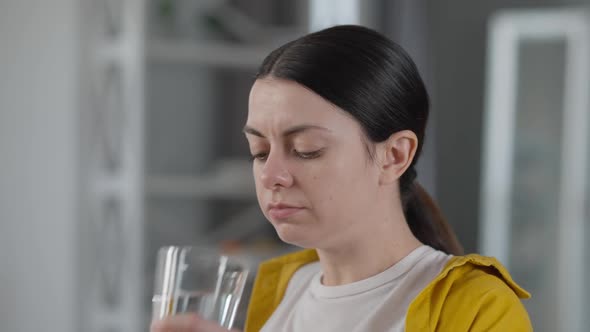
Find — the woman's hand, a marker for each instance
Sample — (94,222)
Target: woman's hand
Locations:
(186,323)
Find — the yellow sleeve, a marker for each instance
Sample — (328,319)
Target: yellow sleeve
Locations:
(472,293)
(482,303)
(500,310)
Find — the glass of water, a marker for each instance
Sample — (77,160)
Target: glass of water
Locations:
(199,280)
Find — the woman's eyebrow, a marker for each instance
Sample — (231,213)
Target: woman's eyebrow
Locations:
(288,132)
(249,130)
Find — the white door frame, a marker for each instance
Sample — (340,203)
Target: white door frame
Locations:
(507,30)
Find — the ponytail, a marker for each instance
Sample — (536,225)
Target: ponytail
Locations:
(427,222)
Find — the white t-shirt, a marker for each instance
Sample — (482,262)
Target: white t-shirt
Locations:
(378,303)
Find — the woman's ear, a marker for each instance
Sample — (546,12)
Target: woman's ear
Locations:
(396,155)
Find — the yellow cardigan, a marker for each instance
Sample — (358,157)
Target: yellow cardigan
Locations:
(472,293)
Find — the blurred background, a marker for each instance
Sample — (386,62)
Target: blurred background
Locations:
(120,132)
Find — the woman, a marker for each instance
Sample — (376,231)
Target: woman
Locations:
(335,126)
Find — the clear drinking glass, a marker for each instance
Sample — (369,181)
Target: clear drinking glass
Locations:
(199,280)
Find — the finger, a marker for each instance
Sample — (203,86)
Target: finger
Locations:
(210,326)
(177,323)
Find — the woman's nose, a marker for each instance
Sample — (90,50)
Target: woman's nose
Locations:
(275,173)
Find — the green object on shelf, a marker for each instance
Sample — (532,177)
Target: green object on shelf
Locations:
(213,23)
(166,8)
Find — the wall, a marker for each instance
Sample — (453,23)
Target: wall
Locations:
(38,164)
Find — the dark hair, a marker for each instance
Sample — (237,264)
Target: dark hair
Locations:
(374,80)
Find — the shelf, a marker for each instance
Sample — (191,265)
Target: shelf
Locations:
(246,223)
(221,54)
(230,179)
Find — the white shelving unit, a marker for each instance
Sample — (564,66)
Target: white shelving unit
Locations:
(228,180)
(111,225)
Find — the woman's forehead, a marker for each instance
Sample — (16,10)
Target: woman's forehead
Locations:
(283,102)
(287,94)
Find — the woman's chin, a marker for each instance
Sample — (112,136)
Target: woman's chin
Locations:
(294,236)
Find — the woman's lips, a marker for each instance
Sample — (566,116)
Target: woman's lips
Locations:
(281,211)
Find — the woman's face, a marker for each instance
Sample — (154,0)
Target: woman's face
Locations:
(314,180)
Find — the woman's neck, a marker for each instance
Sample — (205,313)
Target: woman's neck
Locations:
(369,252)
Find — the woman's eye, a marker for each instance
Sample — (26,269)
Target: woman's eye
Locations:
(259,156)
(308,154)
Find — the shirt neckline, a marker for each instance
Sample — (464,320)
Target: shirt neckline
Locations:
(390,274)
